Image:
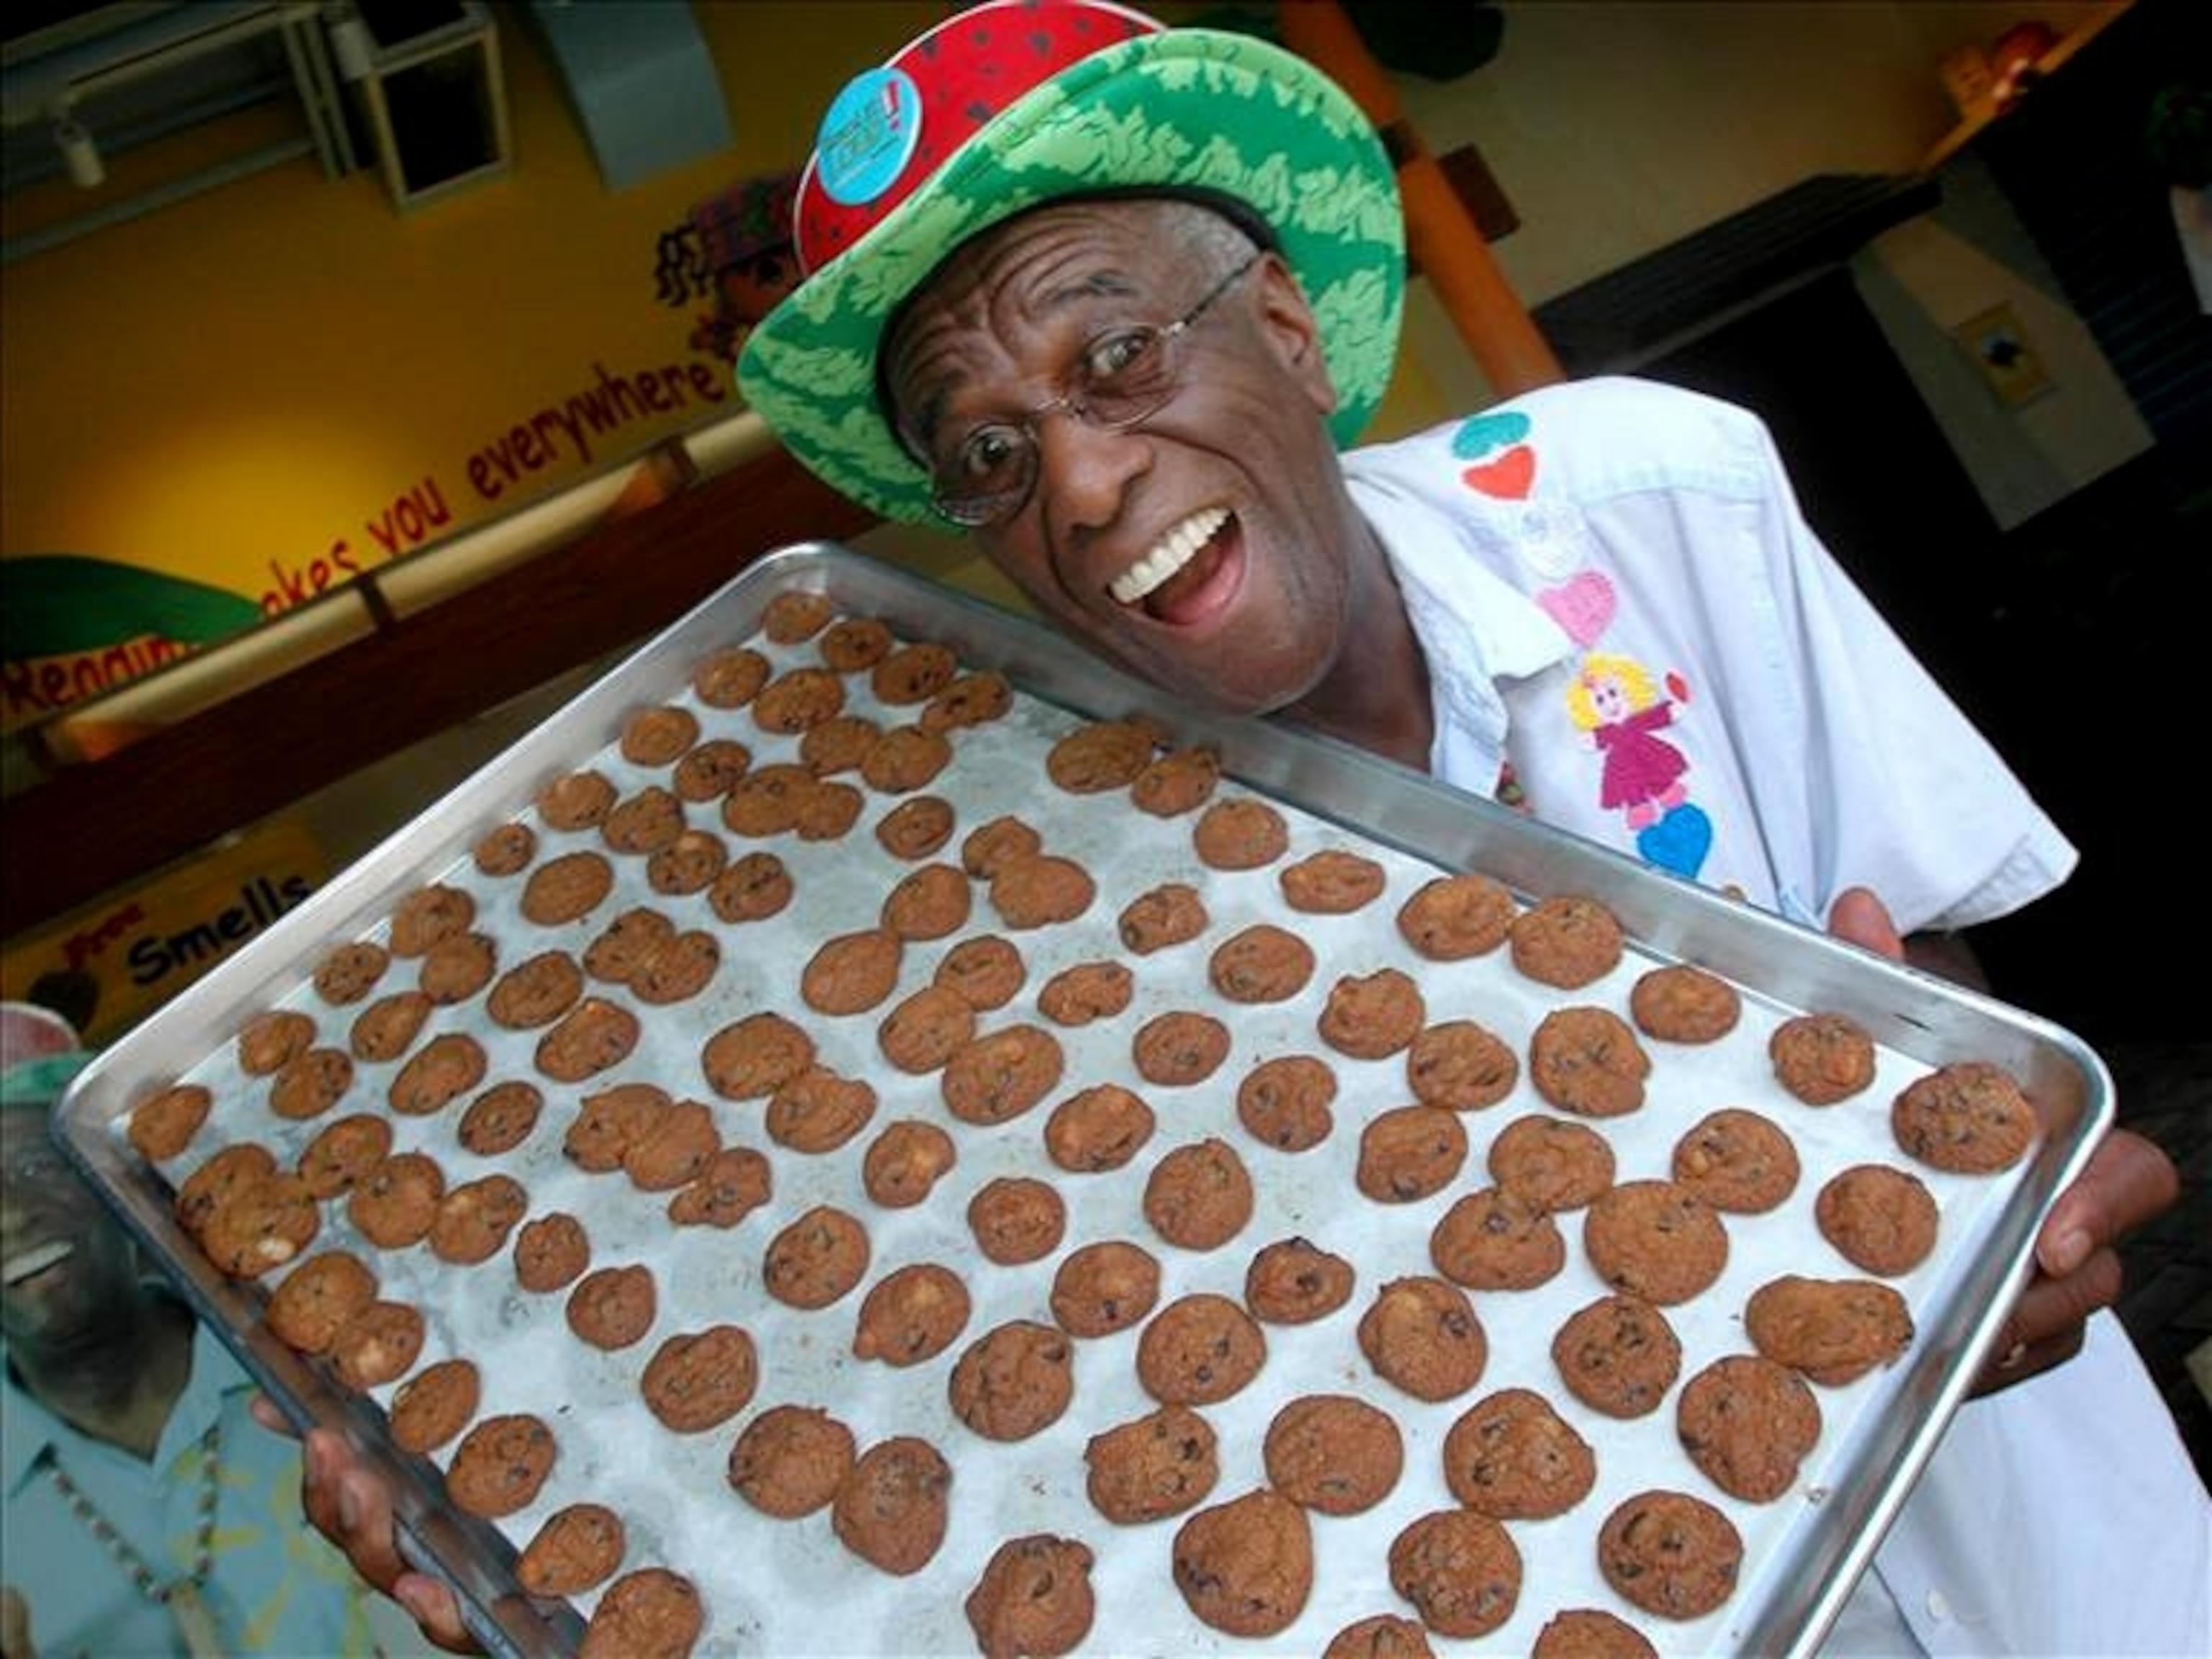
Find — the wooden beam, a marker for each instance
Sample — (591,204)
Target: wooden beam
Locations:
(1441,239)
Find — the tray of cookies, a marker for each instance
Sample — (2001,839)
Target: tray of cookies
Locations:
(872,1133)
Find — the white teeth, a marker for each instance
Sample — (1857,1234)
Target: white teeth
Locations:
(20,1267)
(1175,549)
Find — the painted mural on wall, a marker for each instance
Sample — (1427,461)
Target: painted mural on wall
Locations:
(75,624)
(72,625)
(734,250)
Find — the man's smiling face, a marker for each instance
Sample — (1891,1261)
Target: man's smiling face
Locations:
(1203,548)
(66,1260)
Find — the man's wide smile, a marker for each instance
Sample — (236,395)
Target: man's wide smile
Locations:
(28,1264)
(1171,580)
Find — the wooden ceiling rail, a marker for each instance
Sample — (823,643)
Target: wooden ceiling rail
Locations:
(92,828)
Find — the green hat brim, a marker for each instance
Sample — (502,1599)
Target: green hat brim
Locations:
(1184,109)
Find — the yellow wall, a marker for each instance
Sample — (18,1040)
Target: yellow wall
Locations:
(240,388)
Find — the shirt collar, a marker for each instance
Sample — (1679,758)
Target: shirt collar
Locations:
(28,1428)
(1475,628)
(214,1374)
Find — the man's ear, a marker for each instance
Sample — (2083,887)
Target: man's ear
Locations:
(1292,330)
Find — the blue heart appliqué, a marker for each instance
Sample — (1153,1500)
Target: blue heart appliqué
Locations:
(1678,842)
(1481,433)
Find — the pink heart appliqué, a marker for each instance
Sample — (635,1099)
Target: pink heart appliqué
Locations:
(1582,604)
(1508,478)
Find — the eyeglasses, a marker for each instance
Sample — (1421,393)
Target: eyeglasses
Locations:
(1124,376)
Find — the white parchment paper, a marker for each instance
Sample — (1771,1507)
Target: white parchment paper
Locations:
(790,1587)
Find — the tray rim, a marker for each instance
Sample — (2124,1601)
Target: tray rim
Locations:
(1905,1008)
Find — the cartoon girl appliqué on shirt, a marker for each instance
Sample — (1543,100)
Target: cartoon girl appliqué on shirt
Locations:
(1614,700)
(1618,703)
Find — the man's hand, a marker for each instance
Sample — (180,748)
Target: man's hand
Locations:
(14,1625)
(2128,1180)
(352,1506)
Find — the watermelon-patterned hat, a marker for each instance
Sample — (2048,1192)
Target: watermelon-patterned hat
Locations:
(1014,103)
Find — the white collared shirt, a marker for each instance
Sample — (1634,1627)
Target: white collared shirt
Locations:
(276,1588)
(1618,595)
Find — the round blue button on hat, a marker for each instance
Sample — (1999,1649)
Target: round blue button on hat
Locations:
(868,136)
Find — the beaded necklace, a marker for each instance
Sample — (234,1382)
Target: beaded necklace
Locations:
(181,1594)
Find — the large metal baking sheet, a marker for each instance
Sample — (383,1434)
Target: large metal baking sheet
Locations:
(1803,1568)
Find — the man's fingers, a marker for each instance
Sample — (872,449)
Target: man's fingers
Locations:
(350,1508)
(15,1626)
(365,1513)
(2127,1182)
(2051,1307)
(271,1418)
(320,1458)
(2045,1328)
(436,1612)
(2016,1360)
(1859,918)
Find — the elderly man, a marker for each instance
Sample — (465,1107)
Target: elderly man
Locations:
(1109,297)
(147,1512)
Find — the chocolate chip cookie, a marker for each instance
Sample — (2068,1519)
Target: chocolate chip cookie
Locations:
(1421,1333)
(1552,1163)
(1332,882)
(1105,1286)
(1883,1220)
(1452,918)
(1016,1219)
(1261,963)
(1294,1281)
(699,1380)
(1460,1568)
(1034,1598)
(1494,1239)
(1670,1553)
(1967,1118)
(1334,1453)
(1510,1456)
(893,1504)
(1747,1424)
(1097,1128)
(1198,1195)
(911,1314)
(1240,833)
(1285,1101)
(1737,1161)
(1835,1331)
(1684,1003)
(1014,1381)
(1151,1466)
(1656,1240)
(1567,941)
(1586,1059)
(1618,1355)
(1409,1152)
(790,1459)
(1200,1350)
(1246,1566)
(817,1259)
(1821,1058)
